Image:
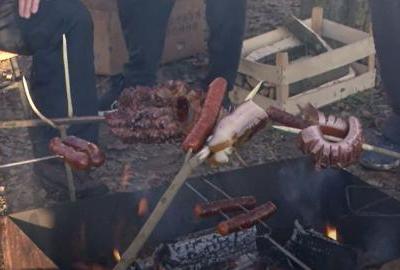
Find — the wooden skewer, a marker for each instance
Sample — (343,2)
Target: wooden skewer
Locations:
(130,255)
(366,147)
(58,121)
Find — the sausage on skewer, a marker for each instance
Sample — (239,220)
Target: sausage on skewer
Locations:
(77,160)
(208,116)
(96,156)
(246,220)
(229,205)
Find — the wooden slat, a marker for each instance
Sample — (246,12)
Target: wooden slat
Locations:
(322,96)
(328,61)
(257,42)
(282,45)
(342,33)
(238,95)
(317,19)
(282,89)
(260,72)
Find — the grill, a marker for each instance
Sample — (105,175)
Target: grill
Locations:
(90,231)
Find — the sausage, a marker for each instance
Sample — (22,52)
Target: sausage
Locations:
(213,208)
(326,153)
(246,220)
(96,156)
(208,116)
(331,125)
(235,129)
(77,160)
(286,118)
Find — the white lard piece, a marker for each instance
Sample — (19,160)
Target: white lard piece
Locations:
(234,129)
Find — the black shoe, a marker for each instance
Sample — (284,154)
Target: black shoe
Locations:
(378,162)
(51,175)
(117,86)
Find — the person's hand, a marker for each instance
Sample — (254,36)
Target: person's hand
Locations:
(28,7)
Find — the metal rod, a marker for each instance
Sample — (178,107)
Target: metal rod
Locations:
(30,161)
(366,147)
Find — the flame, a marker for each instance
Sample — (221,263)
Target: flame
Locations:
(117,255)
(331,232)
(143,207)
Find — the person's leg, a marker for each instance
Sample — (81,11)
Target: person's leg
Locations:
(43,36)
(386,28)
(226,21)
(144,24)
(10,35)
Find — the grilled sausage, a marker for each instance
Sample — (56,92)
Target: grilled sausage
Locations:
(326,153)
(331,125)
(96,156)
(208,116)
(246,220)
(213,208)
(77,160)
(286,118)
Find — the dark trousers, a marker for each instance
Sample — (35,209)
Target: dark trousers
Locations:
(386,26)
(41,37)
(144,24)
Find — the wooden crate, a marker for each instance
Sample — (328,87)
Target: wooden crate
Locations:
(357,46)
(185,34)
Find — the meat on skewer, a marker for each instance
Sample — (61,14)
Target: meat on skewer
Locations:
(77,160)
(246,220)
(96,156)
(228,205)
(208,116)
(326,153)
(235,129)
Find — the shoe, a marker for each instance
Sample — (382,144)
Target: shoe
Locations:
(51,176)
(109,98)
(378,162)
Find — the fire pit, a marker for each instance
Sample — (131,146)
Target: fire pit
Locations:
(93,231)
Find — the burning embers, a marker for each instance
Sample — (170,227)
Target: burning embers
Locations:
(319,251)
(208,250)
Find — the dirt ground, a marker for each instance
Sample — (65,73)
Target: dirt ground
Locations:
(133,167)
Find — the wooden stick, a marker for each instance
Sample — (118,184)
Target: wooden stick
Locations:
(130,255)
(366,147)
(254,92)
(70,106)
(58,121)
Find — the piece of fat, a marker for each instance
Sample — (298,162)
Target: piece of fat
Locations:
(243,122)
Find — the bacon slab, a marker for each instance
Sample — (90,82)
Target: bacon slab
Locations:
(235,129)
